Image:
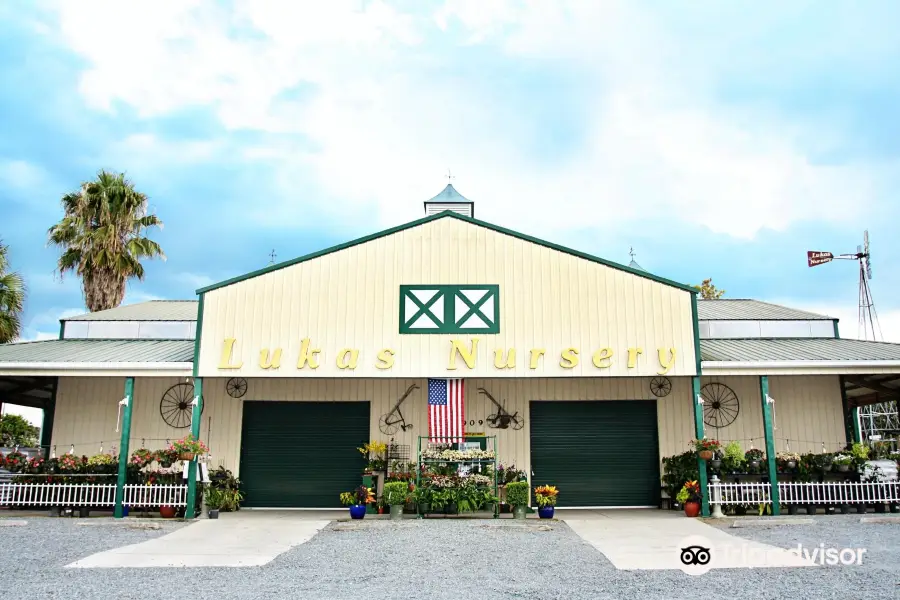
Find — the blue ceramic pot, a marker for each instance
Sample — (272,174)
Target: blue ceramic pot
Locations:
(357,511)
(545,512)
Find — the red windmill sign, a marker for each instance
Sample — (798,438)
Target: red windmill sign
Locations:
(814,258)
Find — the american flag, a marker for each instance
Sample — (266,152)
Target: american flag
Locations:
(446,409)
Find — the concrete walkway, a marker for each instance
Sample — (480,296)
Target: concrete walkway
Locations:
(654,539)
(242,539)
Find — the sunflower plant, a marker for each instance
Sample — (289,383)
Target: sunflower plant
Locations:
(545,495)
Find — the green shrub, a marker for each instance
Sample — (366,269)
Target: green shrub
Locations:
(517,493)
(396,492)
(678,469)
(860,452)
(733,457)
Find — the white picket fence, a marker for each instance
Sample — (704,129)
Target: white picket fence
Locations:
(832,493)
(90,494)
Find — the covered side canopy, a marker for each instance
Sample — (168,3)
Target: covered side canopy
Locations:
(148,358)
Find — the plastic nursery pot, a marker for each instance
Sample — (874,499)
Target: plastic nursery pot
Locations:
(715,463)
(167,512)
(845,509)
(793,509)
(519,511)
(213,513)
(380,510)
(691,509)
(396,511)
(843,468)
(545,512)
(706,454)
(357,511)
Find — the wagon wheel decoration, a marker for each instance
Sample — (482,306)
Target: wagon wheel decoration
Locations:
(175,405)
(720,405)
(660,387)
(236,387)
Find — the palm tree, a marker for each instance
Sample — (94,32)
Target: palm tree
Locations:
(101,235)
(12,298)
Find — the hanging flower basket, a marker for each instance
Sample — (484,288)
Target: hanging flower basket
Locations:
(188,448)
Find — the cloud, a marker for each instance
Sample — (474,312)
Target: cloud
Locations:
(45,324)
(193,280)
(21,175)
(388,111)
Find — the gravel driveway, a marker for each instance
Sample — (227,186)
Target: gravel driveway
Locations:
(439,559)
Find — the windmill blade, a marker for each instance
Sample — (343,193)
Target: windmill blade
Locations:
(866,241)
(868,268)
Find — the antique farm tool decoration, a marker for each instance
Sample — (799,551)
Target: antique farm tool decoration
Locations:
(394,420)
(660,387)
(236,387)
(720,405)
(176,403)
(502,419)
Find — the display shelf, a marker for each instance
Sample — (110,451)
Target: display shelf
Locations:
(490,444)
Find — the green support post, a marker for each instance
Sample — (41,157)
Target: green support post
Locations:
(770,443)
(701,464)
(197,410)
(123,447)
(854,418)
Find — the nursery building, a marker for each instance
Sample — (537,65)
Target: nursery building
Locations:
(588,372)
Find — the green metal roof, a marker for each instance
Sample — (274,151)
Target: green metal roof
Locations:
(99,351)
(824,349)
(447,214)
(153,310)
(752,310)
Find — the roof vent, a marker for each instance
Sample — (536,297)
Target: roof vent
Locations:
(450,199)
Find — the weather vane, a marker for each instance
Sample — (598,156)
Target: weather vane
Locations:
(631,253)
(450,176)
(272,257)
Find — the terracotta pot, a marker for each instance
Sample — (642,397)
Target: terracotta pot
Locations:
(706,454)
(167,512)
(186,456)
(691,509)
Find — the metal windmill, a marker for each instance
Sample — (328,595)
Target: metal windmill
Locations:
(874,418)
(868,317)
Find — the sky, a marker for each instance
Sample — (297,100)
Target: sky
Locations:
(717,139)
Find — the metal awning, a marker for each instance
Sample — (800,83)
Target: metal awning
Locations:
(799,356)
(149,358)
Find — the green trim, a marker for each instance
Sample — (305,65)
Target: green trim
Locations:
(62,329)
(770,443)
(198,333)
(698,430)
(123,447)
(854,421)
(846,411)
(451,215)
(450,323)
(837,332)
(47,418)
(196,414)
(698,357)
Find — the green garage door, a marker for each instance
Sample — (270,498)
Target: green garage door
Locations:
(597,453)
(301,454)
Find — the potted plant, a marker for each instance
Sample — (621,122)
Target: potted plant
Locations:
(706,448)
(689,497)
(215,498)
(545,496)
(733,458)
(381,506)
(167,512)
(357,500)
(395,493)
(517,495)
(166,457)
(822,462)
(422,497)
(788,461)
(189,447)
(15,461)
(842,462)
(753,457)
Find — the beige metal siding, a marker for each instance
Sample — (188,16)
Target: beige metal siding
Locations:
(807,410)
(350,299)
